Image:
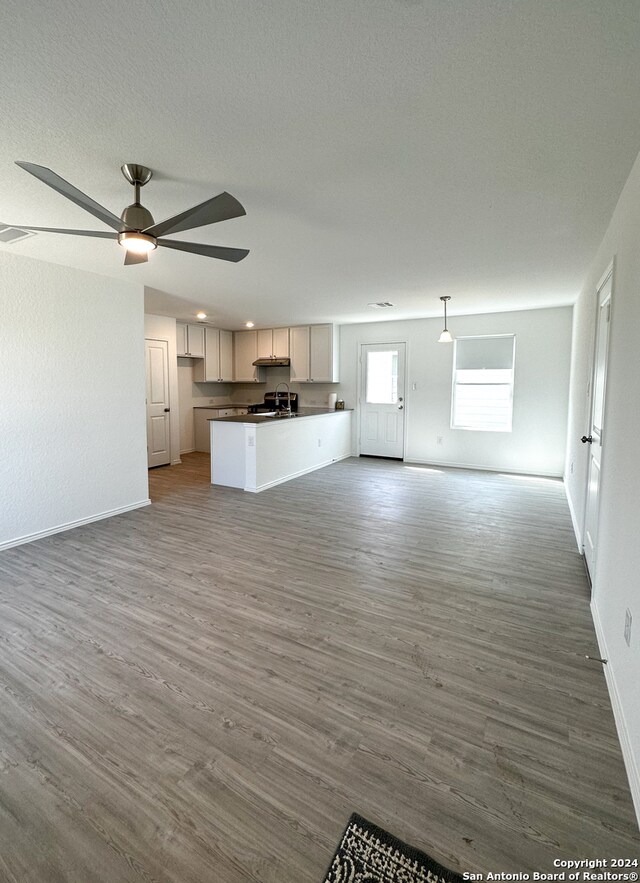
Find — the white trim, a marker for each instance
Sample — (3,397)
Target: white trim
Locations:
(630,761)
(574,519)
(40,534)
(265,487)
(608,272)
(478,468)
(173,463)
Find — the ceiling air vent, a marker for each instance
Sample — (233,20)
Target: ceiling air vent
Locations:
(13,234)
(381,304)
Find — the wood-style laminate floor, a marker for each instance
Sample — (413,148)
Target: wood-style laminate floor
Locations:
(205,689)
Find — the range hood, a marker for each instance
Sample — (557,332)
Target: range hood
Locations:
(272,363)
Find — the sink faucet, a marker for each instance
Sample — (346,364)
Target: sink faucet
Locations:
(283,383)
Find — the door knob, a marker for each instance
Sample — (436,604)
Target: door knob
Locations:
(400,407)
(587,438)
(166,410)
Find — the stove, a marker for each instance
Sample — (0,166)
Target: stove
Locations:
(275,401)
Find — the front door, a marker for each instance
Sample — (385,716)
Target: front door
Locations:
(595,439)
(158,409)
(382,400)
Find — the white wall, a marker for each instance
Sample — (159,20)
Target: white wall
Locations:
(543,344)
(72,416)
(164,328)
(616,586)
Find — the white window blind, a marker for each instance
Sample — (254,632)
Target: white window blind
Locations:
(483,383)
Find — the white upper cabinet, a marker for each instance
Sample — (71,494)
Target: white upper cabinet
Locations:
(190,340)
(245,354)
(273,343)
(218,357)
(314,353)
(299,342)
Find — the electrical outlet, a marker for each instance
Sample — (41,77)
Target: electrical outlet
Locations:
(439,439)
(628,619)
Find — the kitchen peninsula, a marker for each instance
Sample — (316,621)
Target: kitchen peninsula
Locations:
(257,451)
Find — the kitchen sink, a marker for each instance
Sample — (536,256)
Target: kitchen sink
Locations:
(280,415)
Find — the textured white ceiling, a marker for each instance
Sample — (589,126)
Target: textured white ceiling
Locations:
(383,149)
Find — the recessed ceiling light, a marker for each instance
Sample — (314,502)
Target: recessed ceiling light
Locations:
(381,304)
(201,315)
(249,324)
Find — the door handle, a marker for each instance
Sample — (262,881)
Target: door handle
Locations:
(400,407)
(587,438)
(166,410)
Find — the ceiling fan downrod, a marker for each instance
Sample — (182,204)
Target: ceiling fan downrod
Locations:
(136,216)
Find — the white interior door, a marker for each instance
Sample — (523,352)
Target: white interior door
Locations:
(595,439)
(158,408)
(382,400)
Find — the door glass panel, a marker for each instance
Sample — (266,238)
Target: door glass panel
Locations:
(382,378)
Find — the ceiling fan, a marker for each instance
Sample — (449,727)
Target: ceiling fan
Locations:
(137,232)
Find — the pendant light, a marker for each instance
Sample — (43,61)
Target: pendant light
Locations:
(445,337)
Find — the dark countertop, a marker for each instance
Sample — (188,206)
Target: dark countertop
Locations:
(260,418)
(221,407)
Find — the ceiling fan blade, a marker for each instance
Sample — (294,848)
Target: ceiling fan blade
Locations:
(132,258)
(65,189)
(101,234)
(211,251)
(220,208)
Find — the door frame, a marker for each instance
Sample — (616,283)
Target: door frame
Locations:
(608,273)
(359,379)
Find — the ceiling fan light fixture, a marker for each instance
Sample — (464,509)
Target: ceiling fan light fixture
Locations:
(445,336)
(135,230)
(138,243)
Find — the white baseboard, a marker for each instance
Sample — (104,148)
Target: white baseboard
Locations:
(574,519)
(187,451)
(629,757)
(479,468)
(40,534)
(265,487)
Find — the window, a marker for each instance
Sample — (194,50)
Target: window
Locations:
(483,383)
(382,377)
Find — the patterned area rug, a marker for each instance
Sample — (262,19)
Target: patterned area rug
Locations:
(367,854)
